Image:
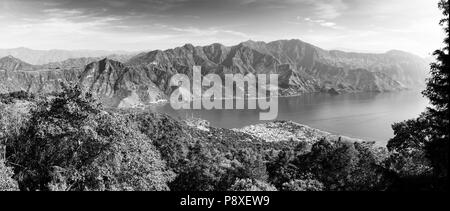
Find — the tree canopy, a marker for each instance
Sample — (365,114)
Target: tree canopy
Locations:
(70,143)
(427,137)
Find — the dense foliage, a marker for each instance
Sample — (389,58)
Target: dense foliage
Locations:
(251,185)
(70,143)
(13,96)
(331,165)
(420,146)
(6,181)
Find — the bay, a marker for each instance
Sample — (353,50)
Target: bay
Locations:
(366,116)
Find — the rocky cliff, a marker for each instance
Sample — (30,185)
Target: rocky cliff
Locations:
(12,64)
(118,85)
(42,81)
(302,67)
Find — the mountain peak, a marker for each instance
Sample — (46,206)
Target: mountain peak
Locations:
(396,52)
(288,41)
(188,46)
(10,63)
(9,57)
(402,54)
(104,66)
(106,61)
(252,42)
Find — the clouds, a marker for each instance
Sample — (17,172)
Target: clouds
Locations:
(330,9)
(149,24)
(323,8)
(193,31)
(320,22)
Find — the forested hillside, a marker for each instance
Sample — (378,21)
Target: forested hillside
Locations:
(68,141)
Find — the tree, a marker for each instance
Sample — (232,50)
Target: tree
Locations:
(370,174)
(6,181)
(330,162)
(249,164)
(12,118)
(343,166)
(168,136)
(437,91)
(408,157)
(70,143)
(282,168)
(251,185)
(428,135)
(303,185)
(203,170)
(13,96)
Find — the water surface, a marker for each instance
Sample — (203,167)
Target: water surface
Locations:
(367,116)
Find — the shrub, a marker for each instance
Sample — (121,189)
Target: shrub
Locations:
(6,181)
(251,185)
(303,185)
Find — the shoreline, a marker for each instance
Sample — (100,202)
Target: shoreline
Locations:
(283,130)
(351,134)
(166,100)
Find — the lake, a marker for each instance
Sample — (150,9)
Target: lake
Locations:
(367,116)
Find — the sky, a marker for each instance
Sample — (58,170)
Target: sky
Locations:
(139,25)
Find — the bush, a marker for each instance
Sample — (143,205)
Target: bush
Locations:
(251,185)
(203,170)
(249,164)
(303,185)
(282,169)
(13,96)
(6,181)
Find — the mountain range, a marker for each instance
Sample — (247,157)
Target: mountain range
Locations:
(136,80)
(40,57)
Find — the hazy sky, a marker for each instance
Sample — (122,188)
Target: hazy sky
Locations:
(357,25)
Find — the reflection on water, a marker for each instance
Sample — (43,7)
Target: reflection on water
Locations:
(367,116)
